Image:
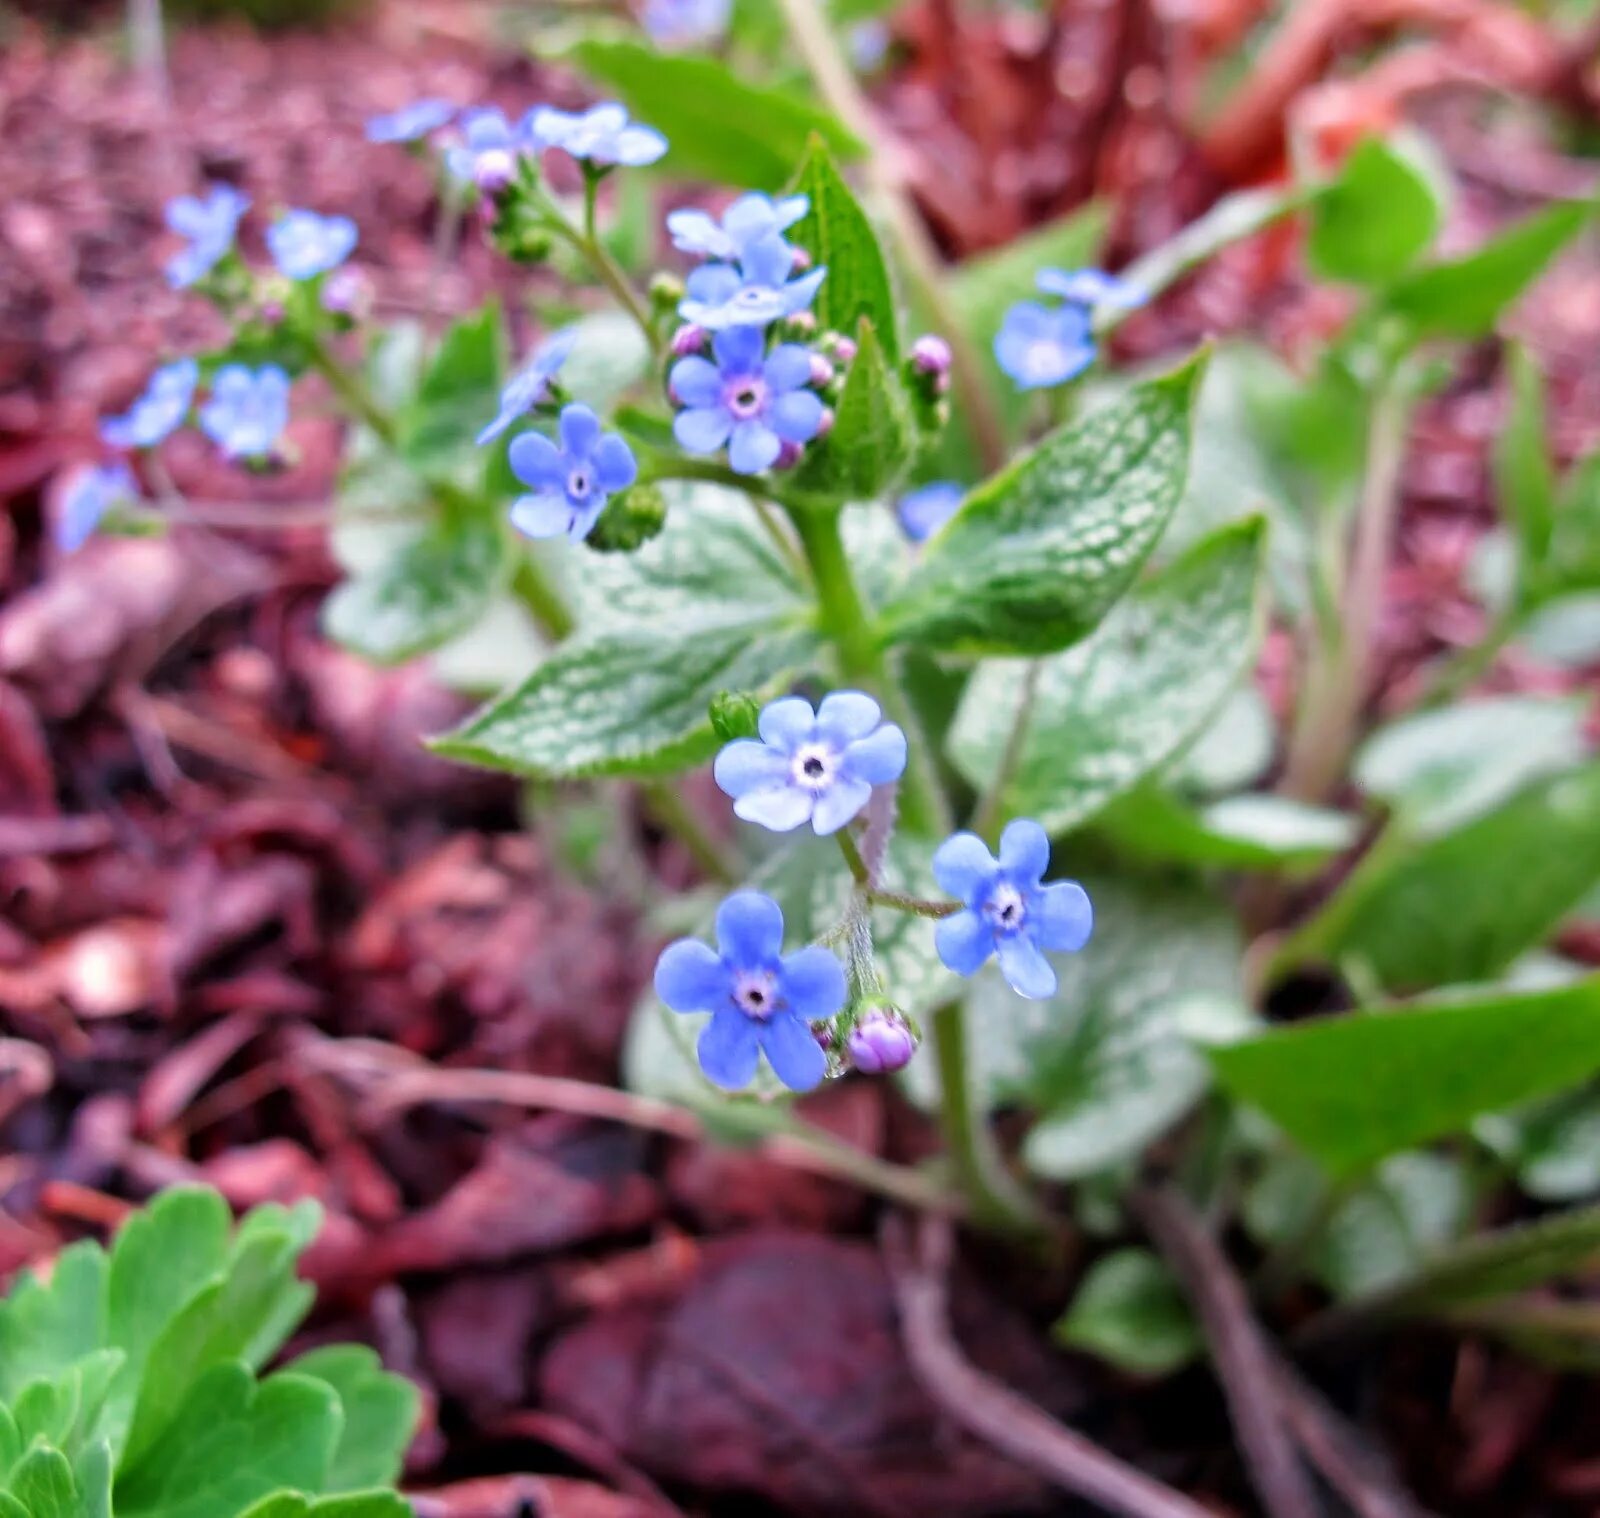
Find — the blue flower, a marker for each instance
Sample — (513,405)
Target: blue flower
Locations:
(751,400)
(749,219)
(755,293)
(1008,913)
(682,23)
(411,122)
(925,510)
(817,767)
(868,45)
(248,410)
(158,413)
(210,225)
(602,134)
(304,244)
(761,1000)
(1039,346)
(90,494)
(527,387)
(1090,288)
(487,153)
(570,483)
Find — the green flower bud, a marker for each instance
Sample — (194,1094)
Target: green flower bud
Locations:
(630,519)
(666,291)
(734,714)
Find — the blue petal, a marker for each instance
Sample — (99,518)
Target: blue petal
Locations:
(778,808)
(638,145)
(693,231)
(584,518)
(1025,851)
(729,1049)
(546,515)
(793,1052)
(753,447)
(614,464)
(1090,287)
(691,977)
(695,381)
(788,366)
(750,930)
(841,801)
(536,461)
(745,765)
(1061,916)
(846,715)
(768,260)
(1026,970)
(878,758)
(713,284)
(923,512)
(963,941)
(799,293)
(702,431)
(739,350)
(796,417)
(580,431)
(812,982)
(787,723)
(963,867)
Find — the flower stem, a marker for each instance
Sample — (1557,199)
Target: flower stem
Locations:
(533,586)
(987,818)
(586,240)
(672,811)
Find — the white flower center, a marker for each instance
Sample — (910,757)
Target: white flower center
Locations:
(1043,359)
(579,483)
(814,767)
(755,993)
(746,397)
(1005,910)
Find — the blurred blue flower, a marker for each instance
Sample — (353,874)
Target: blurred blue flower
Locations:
(684,23)
(757,292)
(90,493)
(1007,911)
(210,226)
(750,400)
(304,244)
(487,153)
(1090,288)
(817,767)
(925,510)
(1040,346)
(248,410)
(761,1000)
(159,412)
(570,483)
(602,134)
(528,385)
(749,219)
(868,45)
(411,122)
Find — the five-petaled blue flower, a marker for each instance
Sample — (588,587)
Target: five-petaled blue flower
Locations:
(411,122)
(817,767)
(926,509)
(756,292)
(751,400)
(1090,288)
(487,153)
(527,386)
(210,226)
(1007,911)
(90,493)
(1040,346)
(304,244)
(569,484)
(761,1000)
(682,23)
(749,219)
(158,413)
(248,410)
(601,135)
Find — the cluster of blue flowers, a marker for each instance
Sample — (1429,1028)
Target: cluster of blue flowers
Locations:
(1041,346)
(489,147)
(821,766)
(302,243)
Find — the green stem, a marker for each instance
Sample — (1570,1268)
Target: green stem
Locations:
(587,242)
(533,586)
(669,808)
(987,818)
(351,391)
(915,906)
(852,858)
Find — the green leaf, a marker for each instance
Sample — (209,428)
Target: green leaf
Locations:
(1355,1088)
(230,1443)
(1524,474)
(719,127)
(1249,832)
(380,1414)
(1376,219)
(459,393)
(1038,554)
(1440,770)
(92,1475)
(1461,907)
(838,235)
(434,589)
(1106,714)
(1574,560)
(1553,1146)
(47,1327)
(1129,1312)
(345,1505)
(1464,297)
(1565,631)
(874,436)
(42,1482)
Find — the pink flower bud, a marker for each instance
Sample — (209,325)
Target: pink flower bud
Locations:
(844,350)
(688,339)
(825,426)
(494,170)
(931,355)
(788,455)
(822,372)
(880,1044)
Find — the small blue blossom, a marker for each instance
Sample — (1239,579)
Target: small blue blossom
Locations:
(488,151)
(601,135)
(159,412)
(1040,346)
(528,386)
(304,244)
(570,483)
(749,219)
(925,510)
(812,766)
(1007,911)
(759,291)
(750,400)
(761,1000)
(90,493)
(1090,288)
(248,410)
(411,122)
(210,226)
(868,45)
(683,23)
